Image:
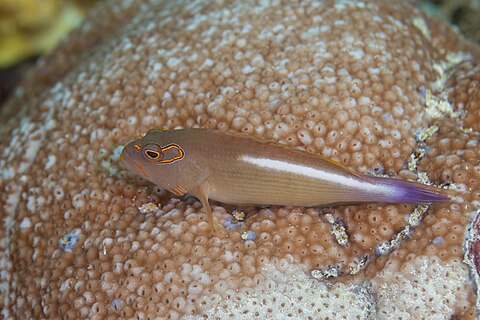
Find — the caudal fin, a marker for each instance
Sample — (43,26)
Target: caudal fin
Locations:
(402,191)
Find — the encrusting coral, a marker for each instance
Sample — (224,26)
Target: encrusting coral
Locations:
(377,86)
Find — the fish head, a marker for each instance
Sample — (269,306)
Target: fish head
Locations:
(154,157)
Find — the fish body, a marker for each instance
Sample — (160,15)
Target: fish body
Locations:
(238,169)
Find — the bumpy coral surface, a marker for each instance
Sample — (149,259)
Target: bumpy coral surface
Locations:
(379,87)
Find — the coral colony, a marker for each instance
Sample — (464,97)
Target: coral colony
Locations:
(377,86)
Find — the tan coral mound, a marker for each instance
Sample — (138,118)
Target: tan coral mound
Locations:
(367,84)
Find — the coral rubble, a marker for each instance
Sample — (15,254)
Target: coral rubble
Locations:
(375,85)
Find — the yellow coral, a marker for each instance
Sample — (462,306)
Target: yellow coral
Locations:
(32,27)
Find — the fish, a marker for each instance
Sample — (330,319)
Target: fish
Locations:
(239,169)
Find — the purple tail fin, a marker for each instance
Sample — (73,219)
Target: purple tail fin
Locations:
(402,191)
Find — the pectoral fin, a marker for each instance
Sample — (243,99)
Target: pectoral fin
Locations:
(201,192)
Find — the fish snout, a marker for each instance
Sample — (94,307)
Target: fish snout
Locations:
(124,157)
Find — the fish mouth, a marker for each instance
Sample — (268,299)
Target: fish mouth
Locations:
(123,159)
(124,154)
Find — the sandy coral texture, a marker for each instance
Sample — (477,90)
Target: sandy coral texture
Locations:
(377,86)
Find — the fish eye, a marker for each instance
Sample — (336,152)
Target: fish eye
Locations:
(153,152)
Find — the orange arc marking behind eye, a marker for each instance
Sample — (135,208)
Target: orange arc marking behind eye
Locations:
(180,151)
(137,147)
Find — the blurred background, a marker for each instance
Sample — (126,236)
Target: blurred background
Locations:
(464,14)
(30,28)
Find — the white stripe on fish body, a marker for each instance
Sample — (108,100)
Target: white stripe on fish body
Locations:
(350,183)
